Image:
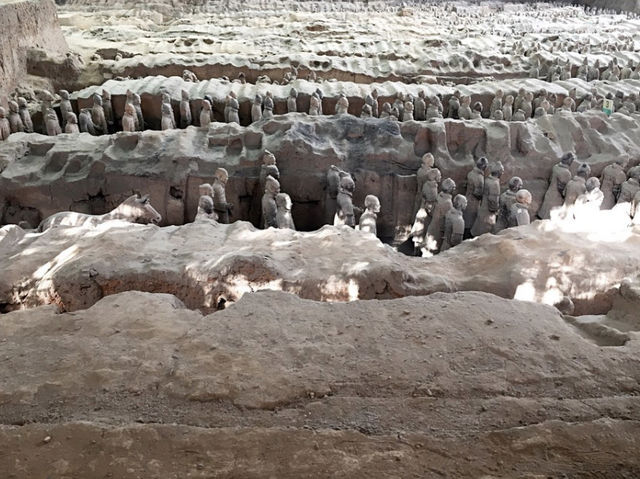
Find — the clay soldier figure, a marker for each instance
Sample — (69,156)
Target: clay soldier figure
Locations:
(333,184)
(426,173)
(25,116)
(107,106)
(167,122)
(220,205)
(560,176)
(527,105)
(314,105)
(15,122)
(408,111)
(613,176)
(583,70)
(268,168)
(52,123)
(454,223)
(366,111)
(97,116)
(490,204)
(268,106)
(189,76)
(292,101)
(374,105)
(517,104)
(85,121)
(72,123)
(506,201)
(46,101)
(387,112)
(205,114)
(166,100)
(507,108)
(420,107)
(476,111)
(630,188)
(454,105)
(205,209)
(284,219)
(577,185)
(234,106)
(269,205)
(542,96)
(342,105)
(464,112)
(496,104)
(5,128)
(185,110)
(475,190)
(65,105)
(589,202)
(594,72)
(519,214)
(129,121)
(434,109)
(320,97)
(398,105)
(137,105)
(256,109)
(518,116)
(345,212)
(369,218)
(435,230)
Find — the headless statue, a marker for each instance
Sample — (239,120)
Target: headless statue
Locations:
(269,205)
(185,110)
(519,212)
(25,116)
(560,176)
(15,121)
(507,199)
(490,203)
(220,204)
(284,219)
(71,125)
(369,218)
(454,223)
(205,114)
(475,190)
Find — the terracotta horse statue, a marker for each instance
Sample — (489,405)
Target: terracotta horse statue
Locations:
(135,209)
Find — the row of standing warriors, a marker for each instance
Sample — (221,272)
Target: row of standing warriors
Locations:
(442,221)
(276,206)
(100,118)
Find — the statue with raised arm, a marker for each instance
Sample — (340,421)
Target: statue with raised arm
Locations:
(454,223)
(220,204)
(490,203)
(368,219)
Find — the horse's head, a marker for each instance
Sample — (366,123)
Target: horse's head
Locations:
(138,209)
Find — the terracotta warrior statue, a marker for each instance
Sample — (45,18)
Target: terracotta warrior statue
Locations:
(507,108)
(496,103)
(464,112)
(474,192)
(72,123)
(589,202)
(613,176)
(205,203)
(167,122)
(527,105)
(220,205)
(137,105)
(420,107)
(434,109)
(205,114)
(85,121)
(490,203)
(630,187)
(129,120)
(517,104)
(408,111)
(345,212)
(65,105)
(454,105)
(97,115)
(314,105)
(5,128)
(233,106)
(107,106)
(369,218)
(333,184)
(342,105)
(435,230)
(519,213)
(292,101)
(366,112)
(256,109)
(454,224)
(268,106)
(560,176)
(577,185)
(25,116)
(52,124)
(284,219)
(15,121)
(507,199)
(269,205)
(185,110)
